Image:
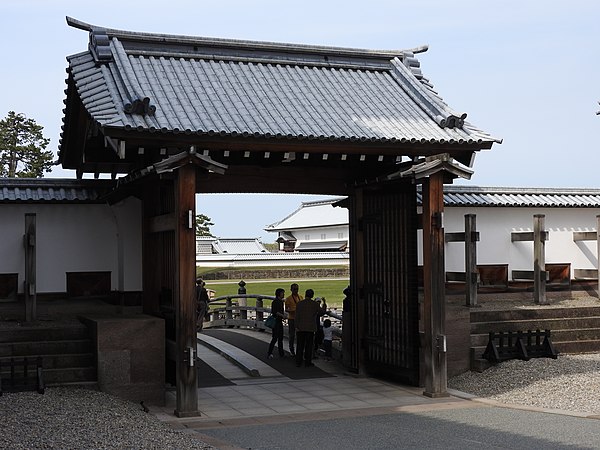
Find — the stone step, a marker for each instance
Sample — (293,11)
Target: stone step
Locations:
(55,376)
(581,334)
(553,324)
(533,313)
(58,361)
(70,375)
(32,334)
(91,385)
(568,347)
(20,349)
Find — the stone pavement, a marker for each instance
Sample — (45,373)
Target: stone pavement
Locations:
(347,411)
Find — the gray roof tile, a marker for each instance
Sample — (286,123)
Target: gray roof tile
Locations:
(519,197)
(53,190)
(264,90)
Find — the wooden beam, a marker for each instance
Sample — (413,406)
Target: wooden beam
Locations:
(585,236)
(539,260)
(30,268)
(522,236)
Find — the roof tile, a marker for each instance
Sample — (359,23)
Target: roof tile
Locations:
(358,95)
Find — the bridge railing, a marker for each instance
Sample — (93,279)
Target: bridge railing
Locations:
(234,311)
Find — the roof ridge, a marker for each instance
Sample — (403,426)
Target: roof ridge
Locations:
(519,190)
(242,43)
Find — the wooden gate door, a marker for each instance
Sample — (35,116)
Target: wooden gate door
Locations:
(385,270)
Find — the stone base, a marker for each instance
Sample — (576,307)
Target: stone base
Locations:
(435,394)
(130,356)
(184,414)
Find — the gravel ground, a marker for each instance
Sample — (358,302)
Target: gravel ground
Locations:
(83,419)
(570,383)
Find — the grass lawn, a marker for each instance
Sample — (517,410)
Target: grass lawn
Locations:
(330,289)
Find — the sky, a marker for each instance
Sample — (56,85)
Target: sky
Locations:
(525,71)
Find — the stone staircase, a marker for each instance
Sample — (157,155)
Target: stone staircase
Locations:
(573,330)
(67,353)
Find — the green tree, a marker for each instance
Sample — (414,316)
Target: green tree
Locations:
(23,151)
(203,224)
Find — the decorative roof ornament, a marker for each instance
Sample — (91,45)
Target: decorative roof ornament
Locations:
(134,99)
(99,46)
(435,108)
(437,163)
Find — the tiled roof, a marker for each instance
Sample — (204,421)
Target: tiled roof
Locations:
(319,213)
(315,214)
(215,245)
(239,246)
(52,190)
(181,84)
(321,245)
(519,197)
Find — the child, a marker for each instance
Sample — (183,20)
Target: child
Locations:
(327,338)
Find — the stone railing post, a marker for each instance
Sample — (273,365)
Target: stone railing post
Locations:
(242,301)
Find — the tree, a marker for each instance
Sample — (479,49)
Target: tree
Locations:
(203,224)
(23,151)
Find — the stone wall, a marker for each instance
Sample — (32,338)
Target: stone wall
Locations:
(266,274)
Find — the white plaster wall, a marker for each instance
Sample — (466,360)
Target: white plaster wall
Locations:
(314,234)
(129,220)
(73,238)
(496,224)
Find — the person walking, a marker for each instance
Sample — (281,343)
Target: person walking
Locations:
(307,313)
(201,303)
(277,333)
(290,308)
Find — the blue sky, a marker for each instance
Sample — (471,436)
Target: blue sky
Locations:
(526,71)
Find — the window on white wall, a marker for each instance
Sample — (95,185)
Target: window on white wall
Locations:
(307,237)
(340,235)
(323,236)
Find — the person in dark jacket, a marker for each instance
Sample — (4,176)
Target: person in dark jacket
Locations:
(307,314)
(278,312)
(201,303)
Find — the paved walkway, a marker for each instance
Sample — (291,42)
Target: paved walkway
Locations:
(347,411)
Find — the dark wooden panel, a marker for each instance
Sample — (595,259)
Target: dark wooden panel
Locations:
(9,286)
(86,284)
(390,283)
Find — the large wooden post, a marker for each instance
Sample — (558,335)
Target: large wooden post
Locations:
(359,309)
(354,303)
(30,288)
(539,260)
(185,305)
(598,252)
(471,259)
(434,310)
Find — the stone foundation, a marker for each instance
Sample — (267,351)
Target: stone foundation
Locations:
(130,356)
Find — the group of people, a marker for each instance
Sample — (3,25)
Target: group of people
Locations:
(303,316)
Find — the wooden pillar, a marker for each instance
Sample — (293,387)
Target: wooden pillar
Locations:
(434,310)
(471,259)
(358,308)
(151,261)
(185,305)
(539,260)
(30,287)
(353,304)
(598,251)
